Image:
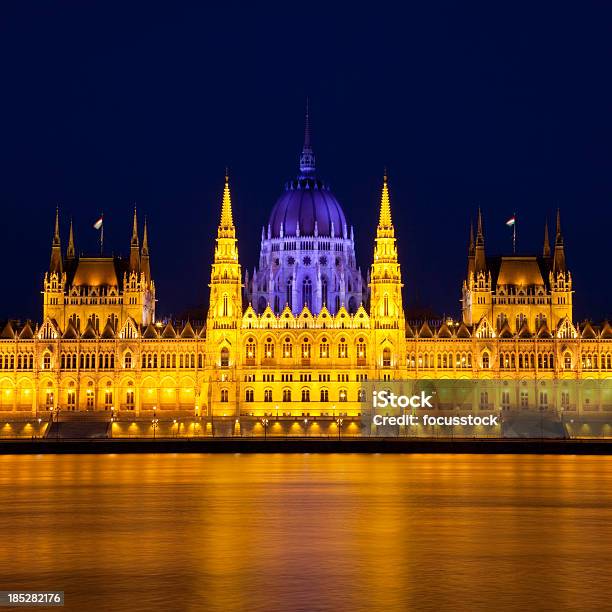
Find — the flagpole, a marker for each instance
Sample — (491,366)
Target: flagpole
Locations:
(514,235)
(102,236)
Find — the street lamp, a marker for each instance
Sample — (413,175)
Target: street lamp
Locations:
(265,422)
(154,420)
(339,423)
(277,412)
(306,427)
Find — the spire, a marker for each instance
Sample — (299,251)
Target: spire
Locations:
(227,220)
(135,229)
(134,250)
(56,253)
(145,240)
(559,236)
(559,256)
(480,233)
(56,233)
(70,248)
(480,263)
(145,266)
(307,158)
(385,221)
(546,249)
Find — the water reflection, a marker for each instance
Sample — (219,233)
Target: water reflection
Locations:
(309,532)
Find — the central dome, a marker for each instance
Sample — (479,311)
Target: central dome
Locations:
(307,201)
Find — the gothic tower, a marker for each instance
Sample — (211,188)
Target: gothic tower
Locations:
(386,311)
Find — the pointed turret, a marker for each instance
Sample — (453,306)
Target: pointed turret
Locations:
(227,221)
(546,248)
(307,158)
(134,246)
(145,266)
(385,278)
(559,256)
(70,249)
(471,251)
(385,224)
(480,263)
(56,249)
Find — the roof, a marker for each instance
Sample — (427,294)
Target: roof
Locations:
(97,272)
(518,270)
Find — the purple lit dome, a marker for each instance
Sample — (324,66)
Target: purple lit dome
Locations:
(307,201)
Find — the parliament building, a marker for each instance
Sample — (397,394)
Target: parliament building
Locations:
(295,344)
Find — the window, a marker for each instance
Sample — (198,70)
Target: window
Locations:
(543,400)
(306,349)
(324,395)
(386,359)
(307,292)
(305,395)
(324,289)
(224,358)
(46,361)
(224,396)
(485,361)
(71,399)
(269,348)
(567,361)
(505,400)
(108,397)
(90,397)
(127,361)
(361,349)
(484,400)
(249,395)
(289,297)
(250,350)
(129,399)
(267,395)
(342,349)
(342,395)
(565,400)
(324,348)
(286,395)
(524,399)
(287,348)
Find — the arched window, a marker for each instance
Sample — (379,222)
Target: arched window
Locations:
(267,395)
(224,395)
(324,395)
(324,291)
(307,292)
(342,349)
(520,319)
(501,319)
(287,347)
(46,361)
(342,395)
(225,310)
(224,357)
(127,360)
(305,395)
(269,348)
(249,395)
(485,360)
(567,361)
(361,349)
(286,395)
(386,305)
(306,349)
(324,348)
(250,350)
(386,358)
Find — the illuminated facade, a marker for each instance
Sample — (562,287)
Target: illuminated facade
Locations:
(298,338)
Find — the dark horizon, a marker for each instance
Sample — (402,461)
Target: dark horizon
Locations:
(465,106)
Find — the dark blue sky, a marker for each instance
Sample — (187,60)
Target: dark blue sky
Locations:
(503,105)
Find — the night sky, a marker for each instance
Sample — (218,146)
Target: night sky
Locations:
(499,105)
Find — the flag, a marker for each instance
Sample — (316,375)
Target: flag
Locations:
(511,221)
(98,224)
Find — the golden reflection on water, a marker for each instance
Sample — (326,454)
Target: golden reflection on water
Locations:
(309,532)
